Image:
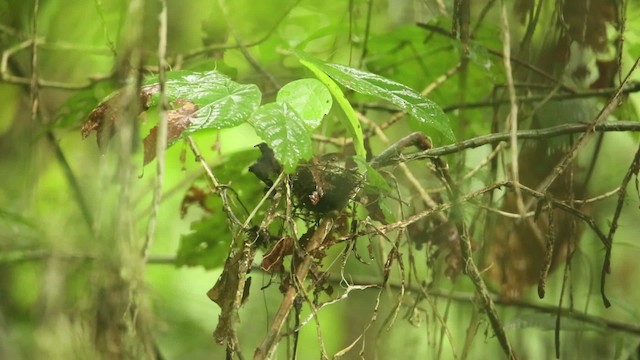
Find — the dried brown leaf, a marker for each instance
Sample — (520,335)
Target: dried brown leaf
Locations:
(272,261)
(194,195)
(178,120)
(104,118)
(230,292)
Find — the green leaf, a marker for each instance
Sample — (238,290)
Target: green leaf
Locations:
(222,102)
(387,209)
(374,178)
(207,245)
(309,98)
(427,116)
(352,123)
(283,130)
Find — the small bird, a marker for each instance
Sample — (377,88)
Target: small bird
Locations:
(266,166)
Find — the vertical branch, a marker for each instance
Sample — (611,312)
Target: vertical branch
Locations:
(33,93)
(122,328)
(367,29)
(470,268)
(512,123)
(461,19)
(548,252)
(34,63)
(265,351)
(622,193)
(161,143)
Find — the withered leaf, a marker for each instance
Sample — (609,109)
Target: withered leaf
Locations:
(230,292)
(273,259)
(194,195)
(104,118)
(178,120)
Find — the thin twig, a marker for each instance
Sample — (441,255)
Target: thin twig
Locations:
(262,201)
(470,268)
(600,322)
(76,189)
(161,136)
(255,64)
(634,168)
(512,121)
(215,184)
(6,76)
(440,31)
(599,197)
(367,28)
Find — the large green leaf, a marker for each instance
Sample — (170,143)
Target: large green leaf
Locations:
(352,123)
(309,98)
(427,116)
(283,130)
(222,102)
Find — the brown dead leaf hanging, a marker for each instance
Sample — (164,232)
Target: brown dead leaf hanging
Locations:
(105,117)
(230,292)
(194,195)
(273,259)
(178,120)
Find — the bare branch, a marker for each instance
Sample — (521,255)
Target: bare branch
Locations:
(546,133)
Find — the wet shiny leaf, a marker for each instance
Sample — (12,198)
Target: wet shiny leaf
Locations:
(283,130)
(309,98)
(427,116)
(222,102)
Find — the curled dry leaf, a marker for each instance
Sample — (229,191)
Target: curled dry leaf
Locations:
(272,261)
(230,292)
(178,120)
(105,117)
(194,195)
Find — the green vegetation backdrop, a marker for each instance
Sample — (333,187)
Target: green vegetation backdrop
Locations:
(175,236)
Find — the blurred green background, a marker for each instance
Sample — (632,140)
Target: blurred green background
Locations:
(57,273)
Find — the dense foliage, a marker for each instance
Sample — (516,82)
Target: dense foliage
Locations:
(361,179)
